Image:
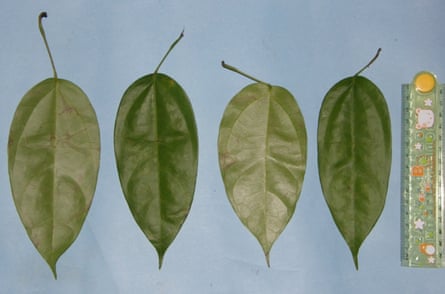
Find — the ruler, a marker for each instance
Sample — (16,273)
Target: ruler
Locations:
(422,201)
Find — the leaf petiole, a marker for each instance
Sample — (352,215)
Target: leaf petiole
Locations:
(169,49)
(234,69)
(42,32)
(369,63)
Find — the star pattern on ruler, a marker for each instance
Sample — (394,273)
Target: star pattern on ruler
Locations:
(419,224)
(431,259)
(418,146)
(428,102)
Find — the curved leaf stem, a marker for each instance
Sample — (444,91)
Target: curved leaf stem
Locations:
(234,69)
(170,49)
(370,62)
(42,32)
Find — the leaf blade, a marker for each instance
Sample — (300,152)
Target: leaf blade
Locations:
(262,155)
(156,149)
(53,161)
(354,157)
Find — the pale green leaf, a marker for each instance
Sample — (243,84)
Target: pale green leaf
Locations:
(156,148)
(354,156)
(53,158)
(262,155)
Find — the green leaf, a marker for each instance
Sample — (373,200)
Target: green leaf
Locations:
(262,156)
(53,158)
(354,157)
(156,148)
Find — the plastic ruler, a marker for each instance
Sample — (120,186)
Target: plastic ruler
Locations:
(422,213)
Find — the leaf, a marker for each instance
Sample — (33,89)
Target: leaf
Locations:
(53,158)
(262,156)
(156,148)
(354,157)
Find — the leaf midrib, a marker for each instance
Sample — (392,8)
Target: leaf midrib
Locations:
(265,156)
(354,156)
(54,154)
(158,165)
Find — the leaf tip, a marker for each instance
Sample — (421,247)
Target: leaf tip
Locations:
(355,256)
(52,263)
(54,271)
(267,259)
(161,259)
(161,254)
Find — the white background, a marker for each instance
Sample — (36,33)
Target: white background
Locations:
(304,46)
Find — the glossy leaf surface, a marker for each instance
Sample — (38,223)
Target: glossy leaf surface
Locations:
(262,155)
(53,158)
(156,148)
(354,156)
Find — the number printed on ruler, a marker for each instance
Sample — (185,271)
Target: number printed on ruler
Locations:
(422,166)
